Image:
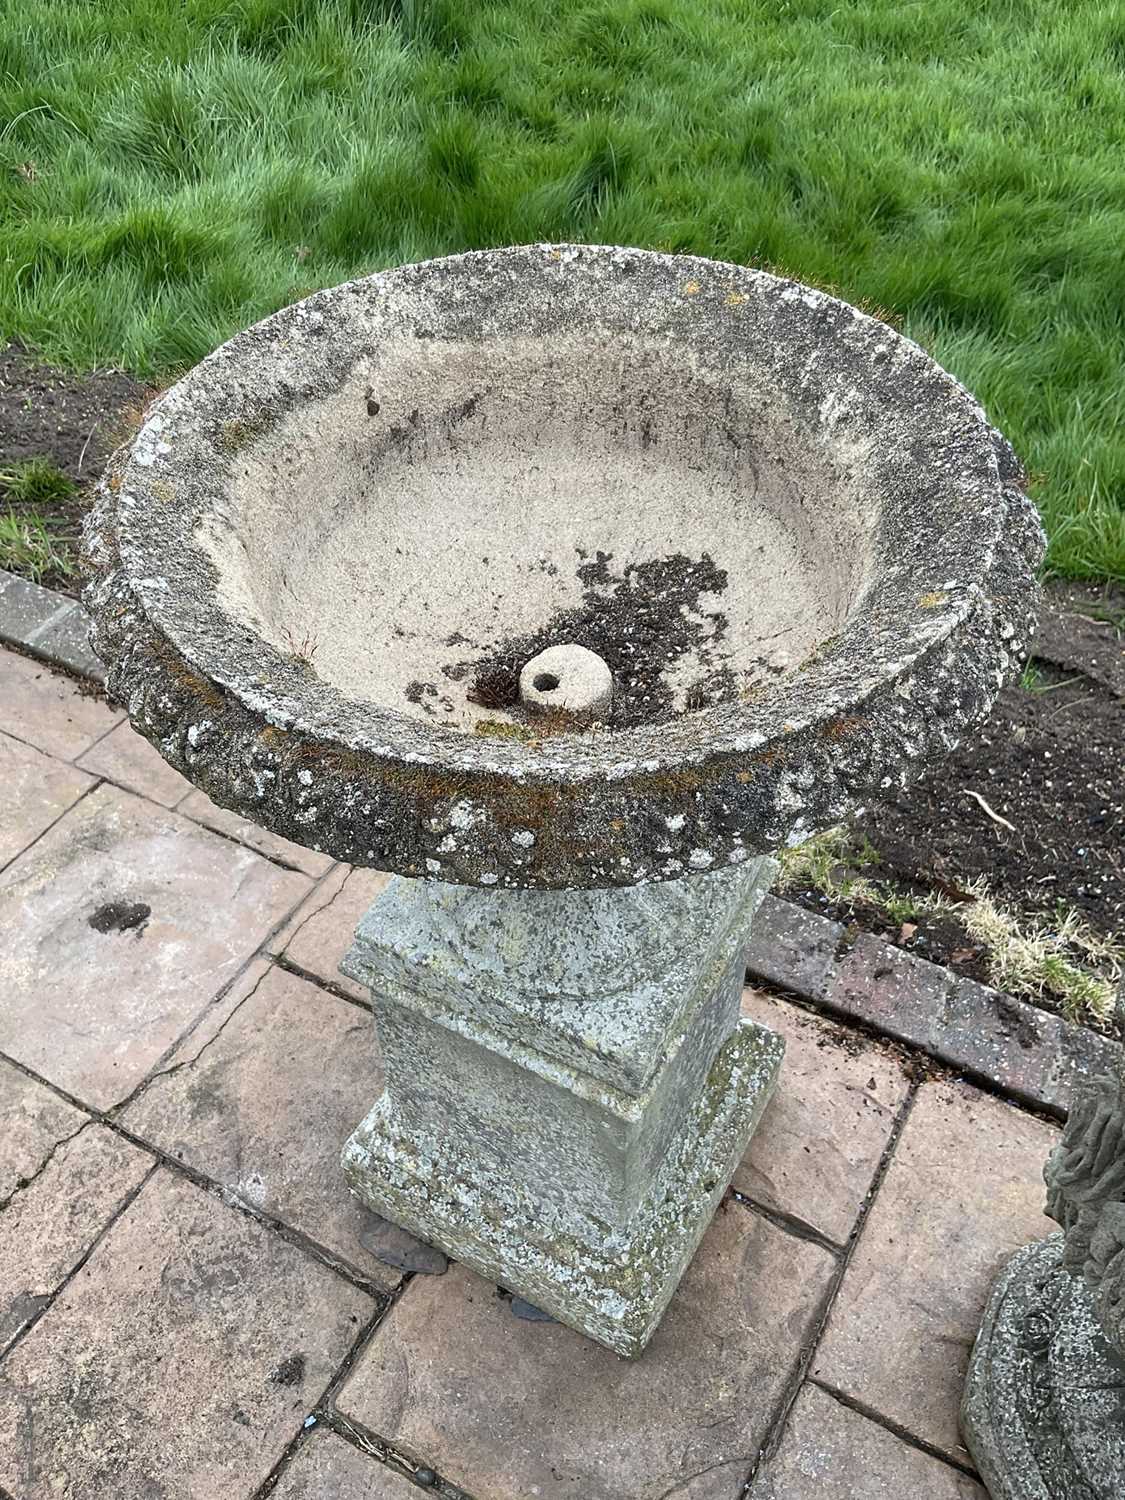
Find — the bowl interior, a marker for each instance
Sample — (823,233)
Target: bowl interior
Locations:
(451,507)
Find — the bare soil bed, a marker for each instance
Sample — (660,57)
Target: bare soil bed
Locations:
(75,421)
(1048,762)
(1046,826)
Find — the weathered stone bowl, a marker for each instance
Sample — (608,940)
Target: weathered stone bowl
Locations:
(331,549)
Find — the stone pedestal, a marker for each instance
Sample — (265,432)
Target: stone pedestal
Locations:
(568,1086)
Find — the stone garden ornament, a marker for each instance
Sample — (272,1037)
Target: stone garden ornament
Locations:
(1044,1407)
(567,583)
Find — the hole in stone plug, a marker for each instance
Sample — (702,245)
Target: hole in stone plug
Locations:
(546,682)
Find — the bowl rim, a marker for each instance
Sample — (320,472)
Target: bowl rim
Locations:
(910,620)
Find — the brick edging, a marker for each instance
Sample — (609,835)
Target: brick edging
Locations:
(47,624)
(1031,1054)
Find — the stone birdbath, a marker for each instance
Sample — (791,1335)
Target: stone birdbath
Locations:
(567,583)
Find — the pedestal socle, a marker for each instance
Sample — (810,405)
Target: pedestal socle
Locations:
(568,1084)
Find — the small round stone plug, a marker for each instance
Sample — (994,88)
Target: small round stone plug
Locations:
(570,680)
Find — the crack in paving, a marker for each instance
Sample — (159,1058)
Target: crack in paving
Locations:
(799,1228)
(121,719)
(678,1487)
(246,847)
(190,1062)
(23,1183)
(316,1412)
(43,832)
(776,1428)
(342,1268)
(324,1414)
(289,967)
(260,953)
(396,1460)
(316,910)
(292,1236)
(904,1436)
(51,1298)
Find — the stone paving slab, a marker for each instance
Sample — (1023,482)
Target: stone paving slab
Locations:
(832,1453)
(328,1468)
(162,1367)
(126,757)
(261,1098)
(179,1362)
(321,932)
(323,893)
(34,1120)
(1028,1052)
(511,1409)
(48,711)
(37,791)
(96,993)
(199,806)
(818,1147)
(48,1226)
(963,1191)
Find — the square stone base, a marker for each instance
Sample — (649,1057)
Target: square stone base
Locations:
(612,1284)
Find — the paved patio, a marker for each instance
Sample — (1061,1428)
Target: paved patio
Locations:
(189,1306)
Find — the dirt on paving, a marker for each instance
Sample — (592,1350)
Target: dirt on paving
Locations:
(75,421)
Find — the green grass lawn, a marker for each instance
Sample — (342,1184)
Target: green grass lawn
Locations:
(171,170)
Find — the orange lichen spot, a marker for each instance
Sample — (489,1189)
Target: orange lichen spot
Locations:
(177,672)
(690,288)
(839,729)
(932,600)
(669,784)
(736,299)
